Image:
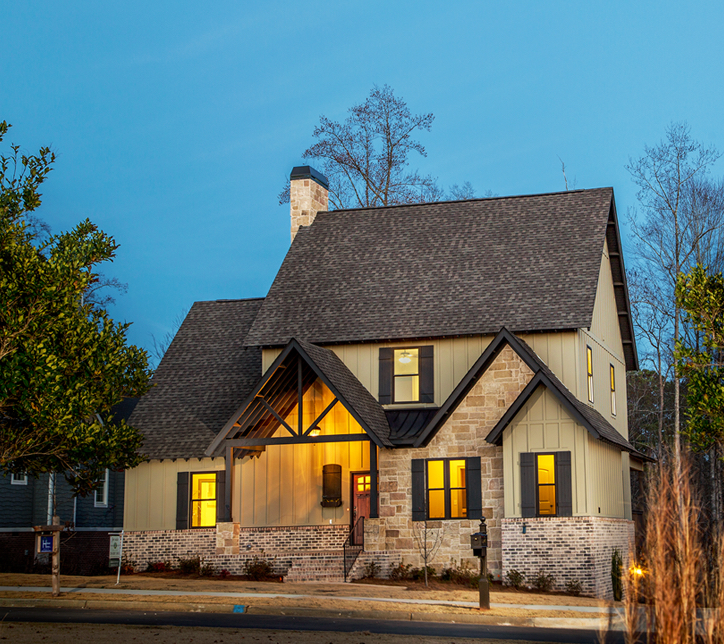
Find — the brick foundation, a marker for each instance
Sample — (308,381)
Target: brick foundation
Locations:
(568,548)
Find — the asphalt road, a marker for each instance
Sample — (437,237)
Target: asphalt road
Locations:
(289,622)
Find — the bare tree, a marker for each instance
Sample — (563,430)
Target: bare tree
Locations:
(668,232)
(367,158)
(428,539)
(159,346)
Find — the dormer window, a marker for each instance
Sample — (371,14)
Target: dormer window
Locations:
(589,373)
(406,375)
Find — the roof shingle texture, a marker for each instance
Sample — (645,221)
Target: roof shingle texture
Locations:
(200,381)
(430,270)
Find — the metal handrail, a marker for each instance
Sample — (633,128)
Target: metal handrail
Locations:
(353,545)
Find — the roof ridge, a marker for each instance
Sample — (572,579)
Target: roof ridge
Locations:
(453,201)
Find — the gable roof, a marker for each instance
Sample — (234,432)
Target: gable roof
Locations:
(442,269)
(591,419)
(278,388)
(200,380)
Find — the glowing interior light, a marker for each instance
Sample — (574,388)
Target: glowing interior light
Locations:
(406,357)
(315,432)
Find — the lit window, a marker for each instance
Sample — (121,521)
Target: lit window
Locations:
(18,479)
(613,391)
(407,375)
(589,372)
(203,500)
(101,493)
(446,489)
(546,484)
(363,483)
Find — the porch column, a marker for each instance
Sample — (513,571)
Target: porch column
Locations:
(229,465)
(374,514)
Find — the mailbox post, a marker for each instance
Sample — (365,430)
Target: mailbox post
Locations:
(479,544)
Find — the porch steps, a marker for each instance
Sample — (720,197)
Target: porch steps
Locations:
(320,565)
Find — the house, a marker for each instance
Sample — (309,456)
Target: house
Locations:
(26,502)
(412,368)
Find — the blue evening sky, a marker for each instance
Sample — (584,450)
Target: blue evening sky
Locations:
(176,123)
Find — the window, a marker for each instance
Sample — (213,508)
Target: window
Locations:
(203,500)
(101,493)
(446,488)
(18,479)
(406,375)
(613,390)
(589,372)
(406,385)
(545,485)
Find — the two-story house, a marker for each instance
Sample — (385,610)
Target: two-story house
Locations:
(412,367)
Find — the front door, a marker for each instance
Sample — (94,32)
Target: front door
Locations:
(360,503)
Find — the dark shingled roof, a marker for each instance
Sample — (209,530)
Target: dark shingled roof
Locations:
(198,384)
(442,269)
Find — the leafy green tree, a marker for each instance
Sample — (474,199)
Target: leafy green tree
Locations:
(63,362)
(701,298)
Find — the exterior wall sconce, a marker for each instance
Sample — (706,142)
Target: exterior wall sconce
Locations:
(331,486)
(315,432)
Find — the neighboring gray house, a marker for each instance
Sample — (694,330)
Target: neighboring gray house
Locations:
(26,502)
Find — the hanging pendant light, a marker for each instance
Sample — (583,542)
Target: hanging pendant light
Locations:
(405,357)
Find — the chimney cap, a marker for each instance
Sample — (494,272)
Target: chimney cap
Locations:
(308,172)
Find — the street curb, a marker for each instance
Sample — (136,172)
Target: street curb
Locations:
(415,616)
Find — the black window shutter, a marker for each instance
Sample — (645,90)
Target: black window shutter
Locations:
(182,501)
(418,489)
(386,367)
(221,497)
(527,485)
(472,483)
(427,375)
(564,488)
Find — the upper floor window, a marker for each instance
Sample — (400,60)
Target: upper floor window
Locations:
(101,493)
(589,373)
(406,375)
(18,479)
(613,390)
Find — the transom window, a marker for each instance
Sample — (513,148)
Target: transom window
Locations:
(589,372)
(406,375)
(446,489)
(203,500)
(546,468)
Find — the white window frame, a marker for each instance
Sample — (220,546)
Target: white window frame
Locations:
(102,494)
(18,479)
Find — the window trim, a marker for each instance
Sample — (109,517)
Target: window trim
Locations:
(103,503)
(447,490)
(555,484)
(19,479)
(589,372)
(191,499)
(612,376)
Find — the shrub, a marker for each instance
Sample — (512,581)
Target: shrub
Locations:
(190,566)
(372,570)
(463,575)
(573,587)
(206,570)
(258,569)
(515,579)
(224,573)
(158,566)
(418,574)
(543,582)
(401,572)
(616,581)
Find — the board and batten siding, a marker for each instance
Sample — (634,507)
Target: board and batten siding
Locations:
(543,425)
(606,480)
(452,359)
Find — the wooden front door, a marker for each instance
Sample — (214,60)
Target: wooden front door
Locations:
(360,501)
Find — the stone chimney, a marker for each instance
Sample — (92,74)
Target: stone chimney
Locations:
(308,194)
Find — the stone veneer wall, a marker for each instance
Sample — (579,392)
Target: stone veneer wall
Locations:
(462,435)
(568,548)
(307,198)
